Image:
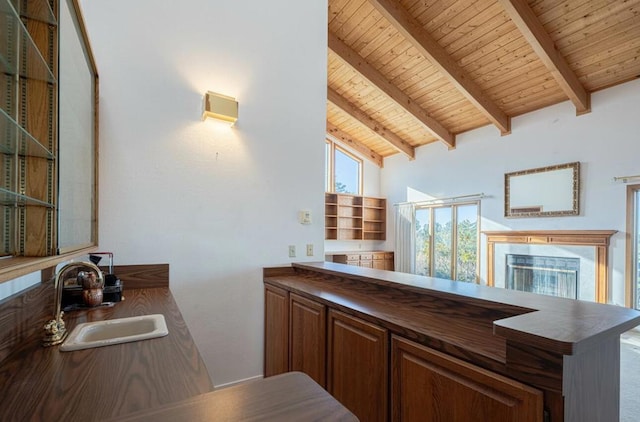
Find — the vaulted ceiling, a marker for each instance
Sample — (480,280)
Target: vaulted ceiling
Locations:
(406,73)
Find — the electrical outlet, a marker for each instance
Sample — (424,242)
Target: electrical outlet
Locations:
(292,251)
(309,249)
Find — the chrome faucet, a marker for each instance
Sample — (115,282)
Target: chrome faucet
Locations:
(55,330)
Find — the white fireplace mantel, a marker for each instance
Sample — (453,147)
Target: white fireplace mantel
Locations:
(599,239)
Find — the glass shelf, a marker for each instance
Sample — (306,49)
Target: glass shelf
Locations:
(15,140)
(8,198)
(35,66)
(39,10)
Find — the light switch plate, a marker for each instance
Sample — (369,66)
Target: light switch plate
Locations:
(292,251)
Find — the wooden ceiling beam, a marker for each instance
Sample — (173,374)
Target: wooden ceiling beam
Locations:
(358,63)
(415,33)
(352,110)
(336,134)
(529,25)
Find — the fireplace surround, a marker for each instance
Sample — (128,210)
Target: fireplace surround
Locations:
(598,240)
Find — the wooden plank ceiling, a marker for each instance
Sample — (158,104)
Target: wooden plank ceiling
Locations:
(406,73)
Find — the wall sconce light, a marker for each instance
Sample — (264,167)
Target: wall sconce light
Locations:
(221,107)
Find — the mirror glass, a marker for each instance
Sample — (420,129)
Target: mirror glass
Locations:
(545,191)
(77,136)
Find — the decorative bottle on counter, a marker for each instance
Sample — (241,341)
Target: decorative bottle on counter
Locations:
(92,288)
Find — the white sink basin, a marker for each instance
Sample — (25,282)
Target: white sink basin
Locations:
(115,331)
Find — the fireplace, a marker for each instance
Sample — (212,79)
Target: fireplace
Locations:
(547,275)
(590,247)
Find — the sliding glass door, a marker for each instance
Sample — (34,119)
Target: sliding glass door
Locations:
(633,246)
(447,239)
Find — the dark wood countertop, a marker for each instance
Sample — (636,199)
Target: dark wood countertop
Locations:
(288,397)
(560,325)
(39,383)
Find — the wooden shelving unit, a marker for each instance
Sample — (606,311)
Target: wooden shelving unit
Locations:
(374,224)
(354,217)
(330,216)
(28,122)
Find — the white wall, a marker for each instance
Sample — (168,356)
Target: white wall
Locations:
(217,204)
(606,142)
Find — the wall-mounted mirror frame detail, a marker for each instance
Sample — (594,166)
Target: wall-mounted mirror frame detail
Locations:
(78,133)
(551,191)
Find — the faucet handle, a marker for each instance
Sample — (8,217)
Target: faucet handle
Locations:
(55,332)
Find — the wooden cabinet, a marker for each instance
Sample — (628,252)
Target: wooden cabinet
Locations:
(357,366)
(457,355)
(294,334)
(380,260)
(307,337)
(276,331)
(353,217)
(366,260)
(350,358)
(428,385)
(383,261)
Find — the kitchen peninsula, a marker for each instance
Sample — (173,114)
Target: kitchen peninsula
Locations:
(423,346)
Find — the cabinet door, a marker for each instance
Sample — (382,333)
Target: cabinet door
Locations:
(307,337)
(388,258)
(378,261)
(357,368)
(388,264)
(379,265)
(430,386)
(276,330)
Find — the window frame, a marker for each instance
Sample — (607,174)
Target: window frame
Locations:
(631,261)
(330,170)
(454,237)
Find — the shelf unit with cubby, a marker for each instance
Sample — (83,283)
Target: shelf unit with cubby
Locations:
(374,218)
(354,217)
(331,216)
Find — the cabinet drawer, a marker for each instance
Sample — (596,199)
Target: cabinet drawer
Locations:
(366,263)
(378,256)
(379,264)
(346,259)
(366,256)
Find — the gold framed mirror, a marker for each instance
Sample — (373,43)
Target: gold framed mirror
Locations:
(543,192)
